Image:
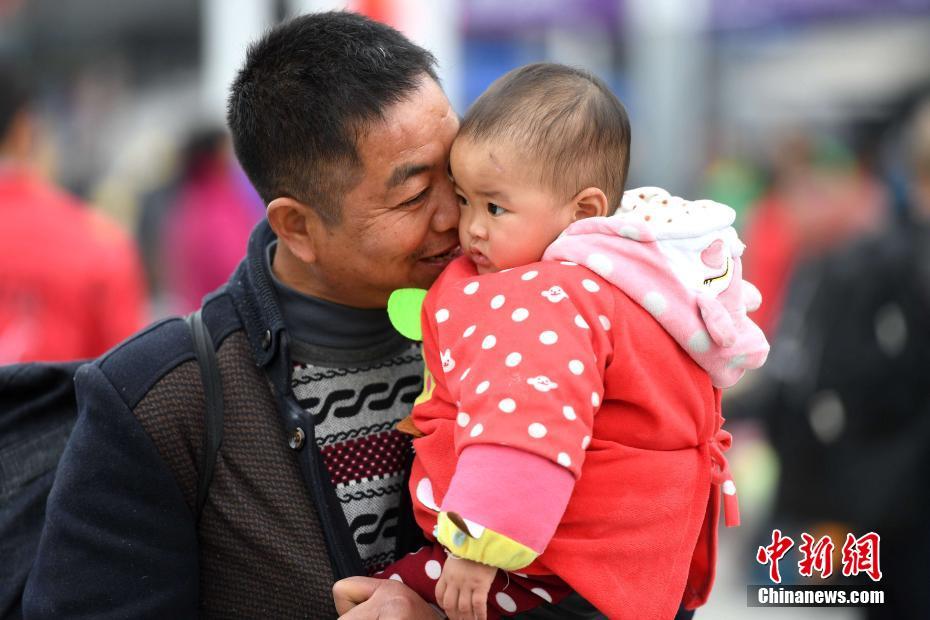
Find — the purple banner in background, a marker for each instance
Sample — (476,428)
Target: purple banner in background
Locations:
(728,14)
(509,16)
(500,16)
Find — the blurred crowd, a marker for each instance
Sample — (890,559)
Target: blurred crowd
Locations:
(837,223)
(73,281)
(839,244)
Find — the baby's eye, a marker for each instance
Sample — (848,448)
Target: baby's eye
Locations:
(495,210)
(461,200)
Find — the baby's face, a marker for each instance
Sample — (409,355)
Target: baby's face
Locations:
(507,218)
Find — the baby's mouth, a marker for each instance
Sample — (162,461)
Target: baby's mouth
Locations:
(478,258)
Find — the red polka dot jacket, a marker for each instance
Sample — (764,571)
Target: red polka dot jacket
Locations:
(548,384)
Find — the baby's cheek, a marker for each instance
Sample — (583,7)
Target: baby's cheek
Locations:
(520,250)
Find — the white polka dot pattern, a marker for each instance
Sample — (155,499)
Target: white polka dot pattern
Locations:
(630,232)
(537,430)
(506,603)
(433,569)
(599,264)
(655,303)
(542,594)
(424,494)
(548,337)
(699,342)
(530,336)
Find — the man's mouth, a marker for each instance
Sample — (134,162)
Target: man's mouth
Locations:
(444,257)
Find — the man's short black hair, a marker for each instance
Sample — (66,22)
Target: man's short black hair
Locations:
(15,95)
(568,121)
(307,91)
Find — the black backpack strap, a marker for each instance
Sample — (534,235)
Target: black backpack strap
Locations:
(213,394)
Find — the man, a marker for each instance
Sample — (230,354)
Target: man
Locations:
(71,285)
(342,128)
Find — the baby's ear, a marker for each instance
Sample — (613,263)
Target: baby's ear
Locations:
(589,202)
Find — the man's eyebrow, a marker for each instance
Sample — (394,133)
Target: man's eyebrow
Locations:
(403,172)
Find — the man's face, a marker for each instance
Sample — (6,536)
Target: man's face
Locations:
(398,226)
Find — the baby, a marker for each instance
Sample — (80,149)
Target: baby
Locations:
(569,432)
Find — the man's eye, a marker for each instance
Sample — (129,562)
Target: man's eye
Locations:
(415,199)
(495,210)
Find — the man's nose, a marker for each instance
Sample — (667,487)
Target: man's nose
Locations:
(446,216)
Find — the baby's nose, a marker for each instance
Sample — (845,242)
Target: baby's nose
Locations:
(477,229)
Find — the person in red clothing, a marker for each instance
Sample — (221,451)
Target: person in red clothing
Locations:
(214,201)
(71,284)
(569,432)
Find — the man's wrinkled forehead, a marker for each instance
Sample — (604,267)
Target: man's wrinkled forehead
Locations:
(414,136)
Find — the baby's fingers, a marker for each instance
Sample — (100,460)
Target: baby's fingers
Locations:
(440,590)
(464,607)
(479,604)
(450,601)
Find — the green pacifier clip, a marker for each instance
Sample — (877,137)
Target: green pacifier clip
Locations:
(404,308)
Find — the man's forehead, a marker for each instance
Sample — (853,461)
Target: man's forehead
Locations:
(414,135)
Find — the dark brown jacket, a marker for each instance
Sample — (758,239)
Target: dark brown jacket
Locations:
(121,538)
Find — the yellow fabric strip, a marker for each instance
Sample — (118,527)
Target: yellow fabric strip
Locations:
(486,547)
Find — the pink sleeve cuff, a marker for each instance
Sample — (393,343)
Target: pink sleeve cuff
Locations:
(512,492)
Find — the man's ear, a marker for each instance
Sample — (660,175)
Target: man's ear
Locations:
(589,202)
(297,226)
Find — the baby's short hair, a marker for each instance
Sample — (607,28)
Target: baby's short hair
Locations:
(568,120)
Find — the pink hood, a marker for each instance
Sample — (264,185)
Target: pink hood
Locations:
(680,260)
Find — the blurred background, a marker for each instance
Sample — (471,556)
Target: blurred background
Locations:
(810,117)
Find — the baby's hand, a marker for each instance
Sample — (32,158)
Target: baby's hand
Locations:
(463,589)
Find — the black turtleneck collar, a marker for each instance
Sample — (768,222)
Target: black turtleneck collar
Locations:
(323,329)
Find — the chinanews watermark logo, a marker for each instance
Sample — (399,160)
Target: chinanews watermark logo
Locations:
(859,558)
